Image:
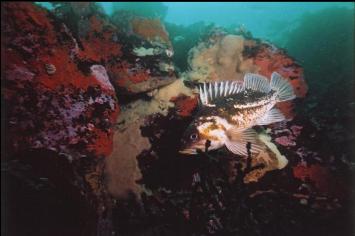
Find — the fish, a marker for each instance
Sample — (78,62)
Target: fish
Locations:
(229,110)
(178,38)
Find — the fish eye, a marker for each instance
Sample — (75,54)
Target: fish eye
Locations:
(193,136)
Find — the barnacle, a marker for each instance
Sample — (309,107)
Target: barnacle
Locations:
(50,68)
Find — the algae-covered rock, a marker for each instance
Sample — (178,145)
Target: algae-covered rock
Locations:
(135,51)
(59,114)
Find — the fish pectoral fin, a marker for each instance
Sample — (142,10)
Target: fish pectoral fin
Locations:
(238,139)
(272,116)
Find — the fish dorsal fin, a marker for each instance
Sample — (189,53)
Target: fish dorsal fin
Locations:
(282,87)
(212,90)
(256,82)
(237,141)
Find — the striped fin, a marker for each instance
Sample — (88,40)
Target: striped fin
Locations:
(238,139)
(257,83)
(210,91)
(282,87)
(272,116)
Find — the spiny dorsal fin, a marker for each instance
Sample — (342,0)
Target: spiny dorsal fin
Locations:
(212,90)
(256,82)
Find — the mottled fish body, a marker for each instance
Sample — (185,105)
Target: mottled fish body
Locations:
(229,109)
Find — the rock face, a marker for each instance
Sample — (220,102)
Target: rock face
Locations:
(52,103)
(147,64)
(56,102)
(60,94)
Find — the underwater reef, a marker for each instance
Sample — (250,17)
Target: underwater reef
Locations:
(94,107)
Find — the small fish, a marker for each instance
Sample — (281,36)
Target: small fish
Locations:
(230,109)
(178,38)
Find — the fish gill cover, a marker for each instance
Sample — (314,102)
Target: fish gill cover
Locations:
(96,97)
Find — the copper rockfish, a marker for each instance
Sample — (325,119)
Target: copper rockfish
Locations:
(230,109)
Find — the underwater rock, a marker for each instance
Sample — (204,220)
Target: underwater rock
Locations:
(67,111)
(64,110)
(122,166)
(320,176)
(151,30)
(175,100)
(98,43)
(94,34)
(147,63)
(269,58)
(160,102)
(136,61)
(185,37)
(130,80)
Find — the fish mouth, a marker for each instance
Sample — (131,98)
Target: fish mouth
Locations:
(189,151)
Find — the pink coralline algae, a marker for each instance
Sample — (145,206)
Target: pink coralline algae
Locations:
(286,141)
(296,130)
(289,139)
(50,100)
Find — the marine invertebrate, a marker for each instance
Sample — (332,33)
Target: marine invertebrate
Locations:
(142,52)
(169,52)
(50,68)
(266,139)
(218,61)
(122,165)
(289,136)
(99,72)
(286,141)
(166,67)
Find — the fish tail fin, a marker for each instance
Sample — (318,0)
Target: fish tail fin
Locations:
(283,88)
